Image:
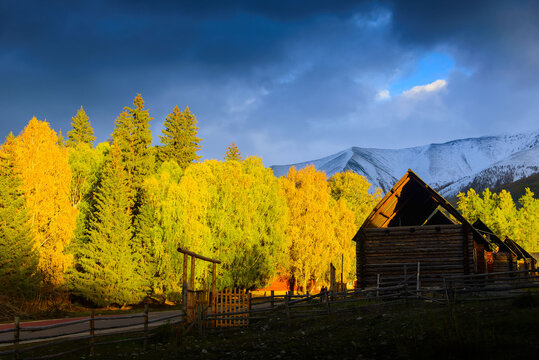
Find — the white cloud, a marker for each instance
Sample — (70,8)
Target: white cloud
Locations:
(432,87)
(383,94)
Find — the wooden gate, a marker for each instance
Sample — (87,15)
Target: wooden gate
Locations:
(232,301)
(197,300)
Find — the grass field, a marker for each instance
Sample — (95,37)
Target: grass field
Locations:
(507,329)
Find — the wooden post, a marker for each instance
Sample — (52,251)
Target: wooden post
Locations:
(16,336)
(192,279)
(185,261)
(272,298)
(184,283)
(92,334)
(145,345)
(287,308)
(198,310)
(342,268)
(331,277)
(418,280)
(214,290)
(227,306)
(377,285)
(327,302)
(184,299)
(405,283)
(446,291)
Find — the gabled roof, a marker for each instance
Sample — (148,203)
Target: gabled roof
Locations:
(411,202)
(485,231)
(517,249)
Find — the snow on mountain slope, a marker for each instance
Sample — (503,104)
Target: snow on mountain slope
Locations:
(448,167)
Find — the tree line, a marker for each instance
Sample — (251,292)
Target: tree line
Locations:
(104,222)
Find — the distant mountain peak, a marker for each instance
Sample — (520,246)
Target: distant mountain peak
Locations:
(447,167)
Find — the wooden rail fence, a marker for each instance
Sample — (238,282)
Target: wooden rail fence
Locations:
(21,347)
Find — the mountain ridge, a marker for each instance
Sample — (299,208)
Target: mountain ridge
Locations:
(447,167)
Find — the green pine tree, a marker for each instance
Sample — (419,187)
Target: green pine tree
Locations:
(82,131)
(18,260)
(143,242)
(180,138)
(106,267)
(233,153)
(134,139)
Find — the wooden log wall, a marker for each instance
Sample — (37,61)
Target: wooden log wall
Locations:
(441,249)
(503,262)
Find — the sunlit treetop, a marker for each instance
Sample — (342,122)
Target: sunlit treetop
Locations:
(233,153)
(81,132)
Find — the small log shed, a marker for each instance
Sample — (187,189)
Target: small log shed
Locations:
(414,224)
(510,255)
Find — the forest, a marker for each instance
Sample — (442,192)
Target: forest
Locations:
(102,223)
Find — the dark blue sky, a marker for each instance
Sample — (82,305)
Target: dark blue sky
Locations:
(287,81)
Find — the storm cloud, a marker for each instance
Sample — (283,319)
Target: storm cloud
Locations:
(287,81)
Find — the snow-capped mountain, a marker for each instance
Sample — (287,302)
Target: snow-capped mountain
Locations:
(448,167)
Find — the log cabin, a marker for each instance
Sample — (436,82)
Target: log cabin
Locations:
(413,226)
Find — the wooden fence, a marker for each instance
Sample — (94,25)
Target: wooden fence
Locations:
(398,289)
(25,341)
(237,308)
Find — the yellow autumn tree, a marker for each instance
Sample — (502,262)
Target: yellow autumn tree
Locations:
(354,190)
(343,248)
(46,181)
(314,230)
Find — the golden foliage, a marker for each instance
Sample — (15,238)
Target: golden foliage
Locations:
(320,229)
(46,178)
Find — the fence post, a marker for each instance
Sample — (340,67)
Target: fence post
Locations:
(184,300)
(377,285)
(146,308)
(327,302)
(272,298)
(287,308)
(200,319)
(16,336)
(405,283)
(418,280)
(92,332)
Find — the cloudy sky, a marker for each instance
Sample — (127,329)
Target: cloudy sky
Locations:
(286,80)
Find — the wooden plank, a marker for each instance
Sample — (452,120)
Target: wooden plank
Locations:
(190,253)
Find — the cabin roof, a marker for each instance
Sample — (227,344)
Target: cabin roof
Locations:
(411,202)
(485,231)
(517,249)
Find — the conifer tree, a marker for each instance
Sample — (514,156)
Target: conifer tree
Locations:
(143,241)
(82,131)
(180,141)
(133,137)
(233,153)
(106,268)
(18,260)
